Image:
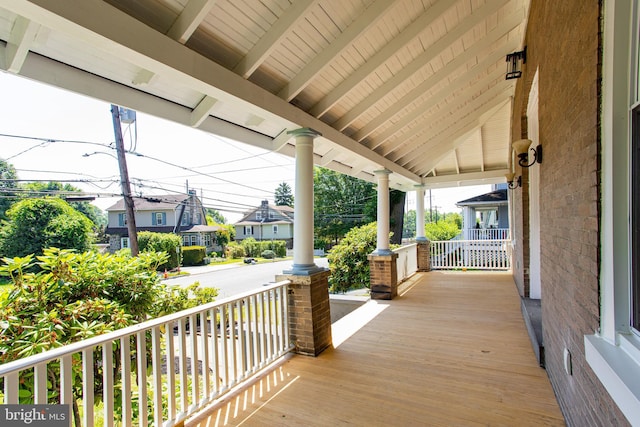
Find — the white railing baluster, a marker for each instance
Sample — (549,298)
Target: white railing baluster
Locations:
(171,369)
(244,334)
(204,340)
(88,376)
(156,363)
(125,376)
(182,366)
(107,383)
(193,347)
(141,358)
(40,383)
(484,254)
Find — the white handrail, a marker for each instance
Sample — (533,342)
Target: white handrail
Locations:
(176,364)
(471,254)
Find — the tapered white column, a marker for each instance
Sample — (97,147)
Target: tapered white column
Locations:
(383,213)
(420,214)
(303,204)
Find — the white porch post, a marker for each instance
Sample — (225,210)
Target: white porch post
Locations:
(303,224)
(383,213)
(420,214)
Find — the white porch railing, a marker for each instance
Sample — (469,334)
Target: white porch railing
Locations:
(485,234)
(407,261)
(471,254)
(175,364)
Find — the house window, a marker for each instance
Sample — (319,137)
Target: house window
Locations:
(159,218)
(275,229)
(194,240)
(185,240)
(207,239)
(185,219)
(248,230)
(122,219)
(198,218)
(259,215)
(124,242)
(271,215)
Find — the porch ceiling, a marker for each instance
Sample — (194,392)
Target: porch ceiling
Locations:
(414,86)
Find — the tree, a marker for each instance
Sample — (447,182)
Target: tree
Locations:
(214,217)
(349,261)
(283,195)
(341,202)
(37,224)
(396,215)
(8,176)
(409,225)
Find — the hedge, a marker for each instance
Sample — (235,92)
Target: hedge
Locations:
(161,242)
(193,255)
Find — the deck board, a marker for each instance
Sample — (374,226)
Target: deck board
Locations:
(452,350)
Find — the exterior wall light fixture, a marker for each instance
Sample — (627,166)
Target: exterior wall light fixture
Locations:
(514,64)
(513,182)
(521,147)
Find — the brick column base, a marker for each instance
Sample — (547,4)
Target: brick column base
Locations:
(424,256)
(309,312)
(383,276)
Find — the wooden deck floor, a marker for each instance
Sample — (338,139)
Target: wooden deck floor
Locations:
(451,351)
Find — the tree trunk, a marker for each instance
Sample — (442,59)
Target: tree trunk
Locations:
(396,215)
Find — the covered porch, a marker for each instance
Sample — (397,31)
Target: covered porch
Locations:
(452,349)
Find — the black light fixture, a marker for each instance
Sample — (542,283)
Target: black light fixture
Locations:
(513,182)
(521,147)
(514,63)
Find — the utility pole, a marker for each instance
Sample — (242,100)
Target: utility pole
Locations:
(124,181)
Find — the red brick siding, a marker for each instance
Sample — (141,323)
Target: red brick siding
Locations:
(563,41)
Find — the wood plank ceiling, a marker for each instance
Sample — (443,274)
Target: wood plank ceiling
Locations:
(414,86)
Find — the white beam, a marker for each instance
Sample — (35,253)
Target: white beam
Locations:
(439,96)
(112,31)
(420,62)
(22,35)
(444,118)
(368,18)
(271,40)
(429,155)
(143,78)
(471,178)
(389,50)
(189,19)
(202,110)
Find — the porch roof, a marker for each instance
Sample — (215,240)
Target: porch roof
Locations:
(452,350)
(414,86)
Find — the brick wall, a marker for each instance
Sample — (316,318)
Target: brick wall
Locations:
(309,312)
(563,42)
(383,276)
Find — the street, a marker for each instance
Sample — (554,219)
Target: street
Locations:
(235,279)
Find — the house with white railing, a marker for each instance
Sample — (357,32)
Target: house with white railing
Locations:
(486,216)
(409,95)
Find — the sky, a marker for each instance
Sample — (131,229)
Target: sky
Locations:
(51,134)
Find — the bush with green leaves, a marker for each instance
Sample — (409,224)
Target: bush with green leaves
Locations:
(441,230)
(348,260)
(268,254)
(75,296)
(193,255)
(36,224)
(168,243)
(235,251)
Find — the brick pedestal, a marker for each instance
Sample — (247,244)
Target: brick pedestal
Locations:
(384,276)
(309,312)
(424,256)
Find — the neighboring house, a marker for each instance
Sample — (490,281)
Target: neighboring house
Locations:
(267,222)
(182,214)
(486,215)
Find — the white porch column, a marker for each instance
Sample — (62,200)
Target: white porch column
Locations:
(303,203)
(383,213)
(420,214)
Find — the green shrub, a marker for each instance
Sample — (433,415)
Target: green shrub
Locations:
(442,230)
(235,251)
(279,247)
(161,242)
(251,247)
(348,260)
(193,255)
(268,254)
